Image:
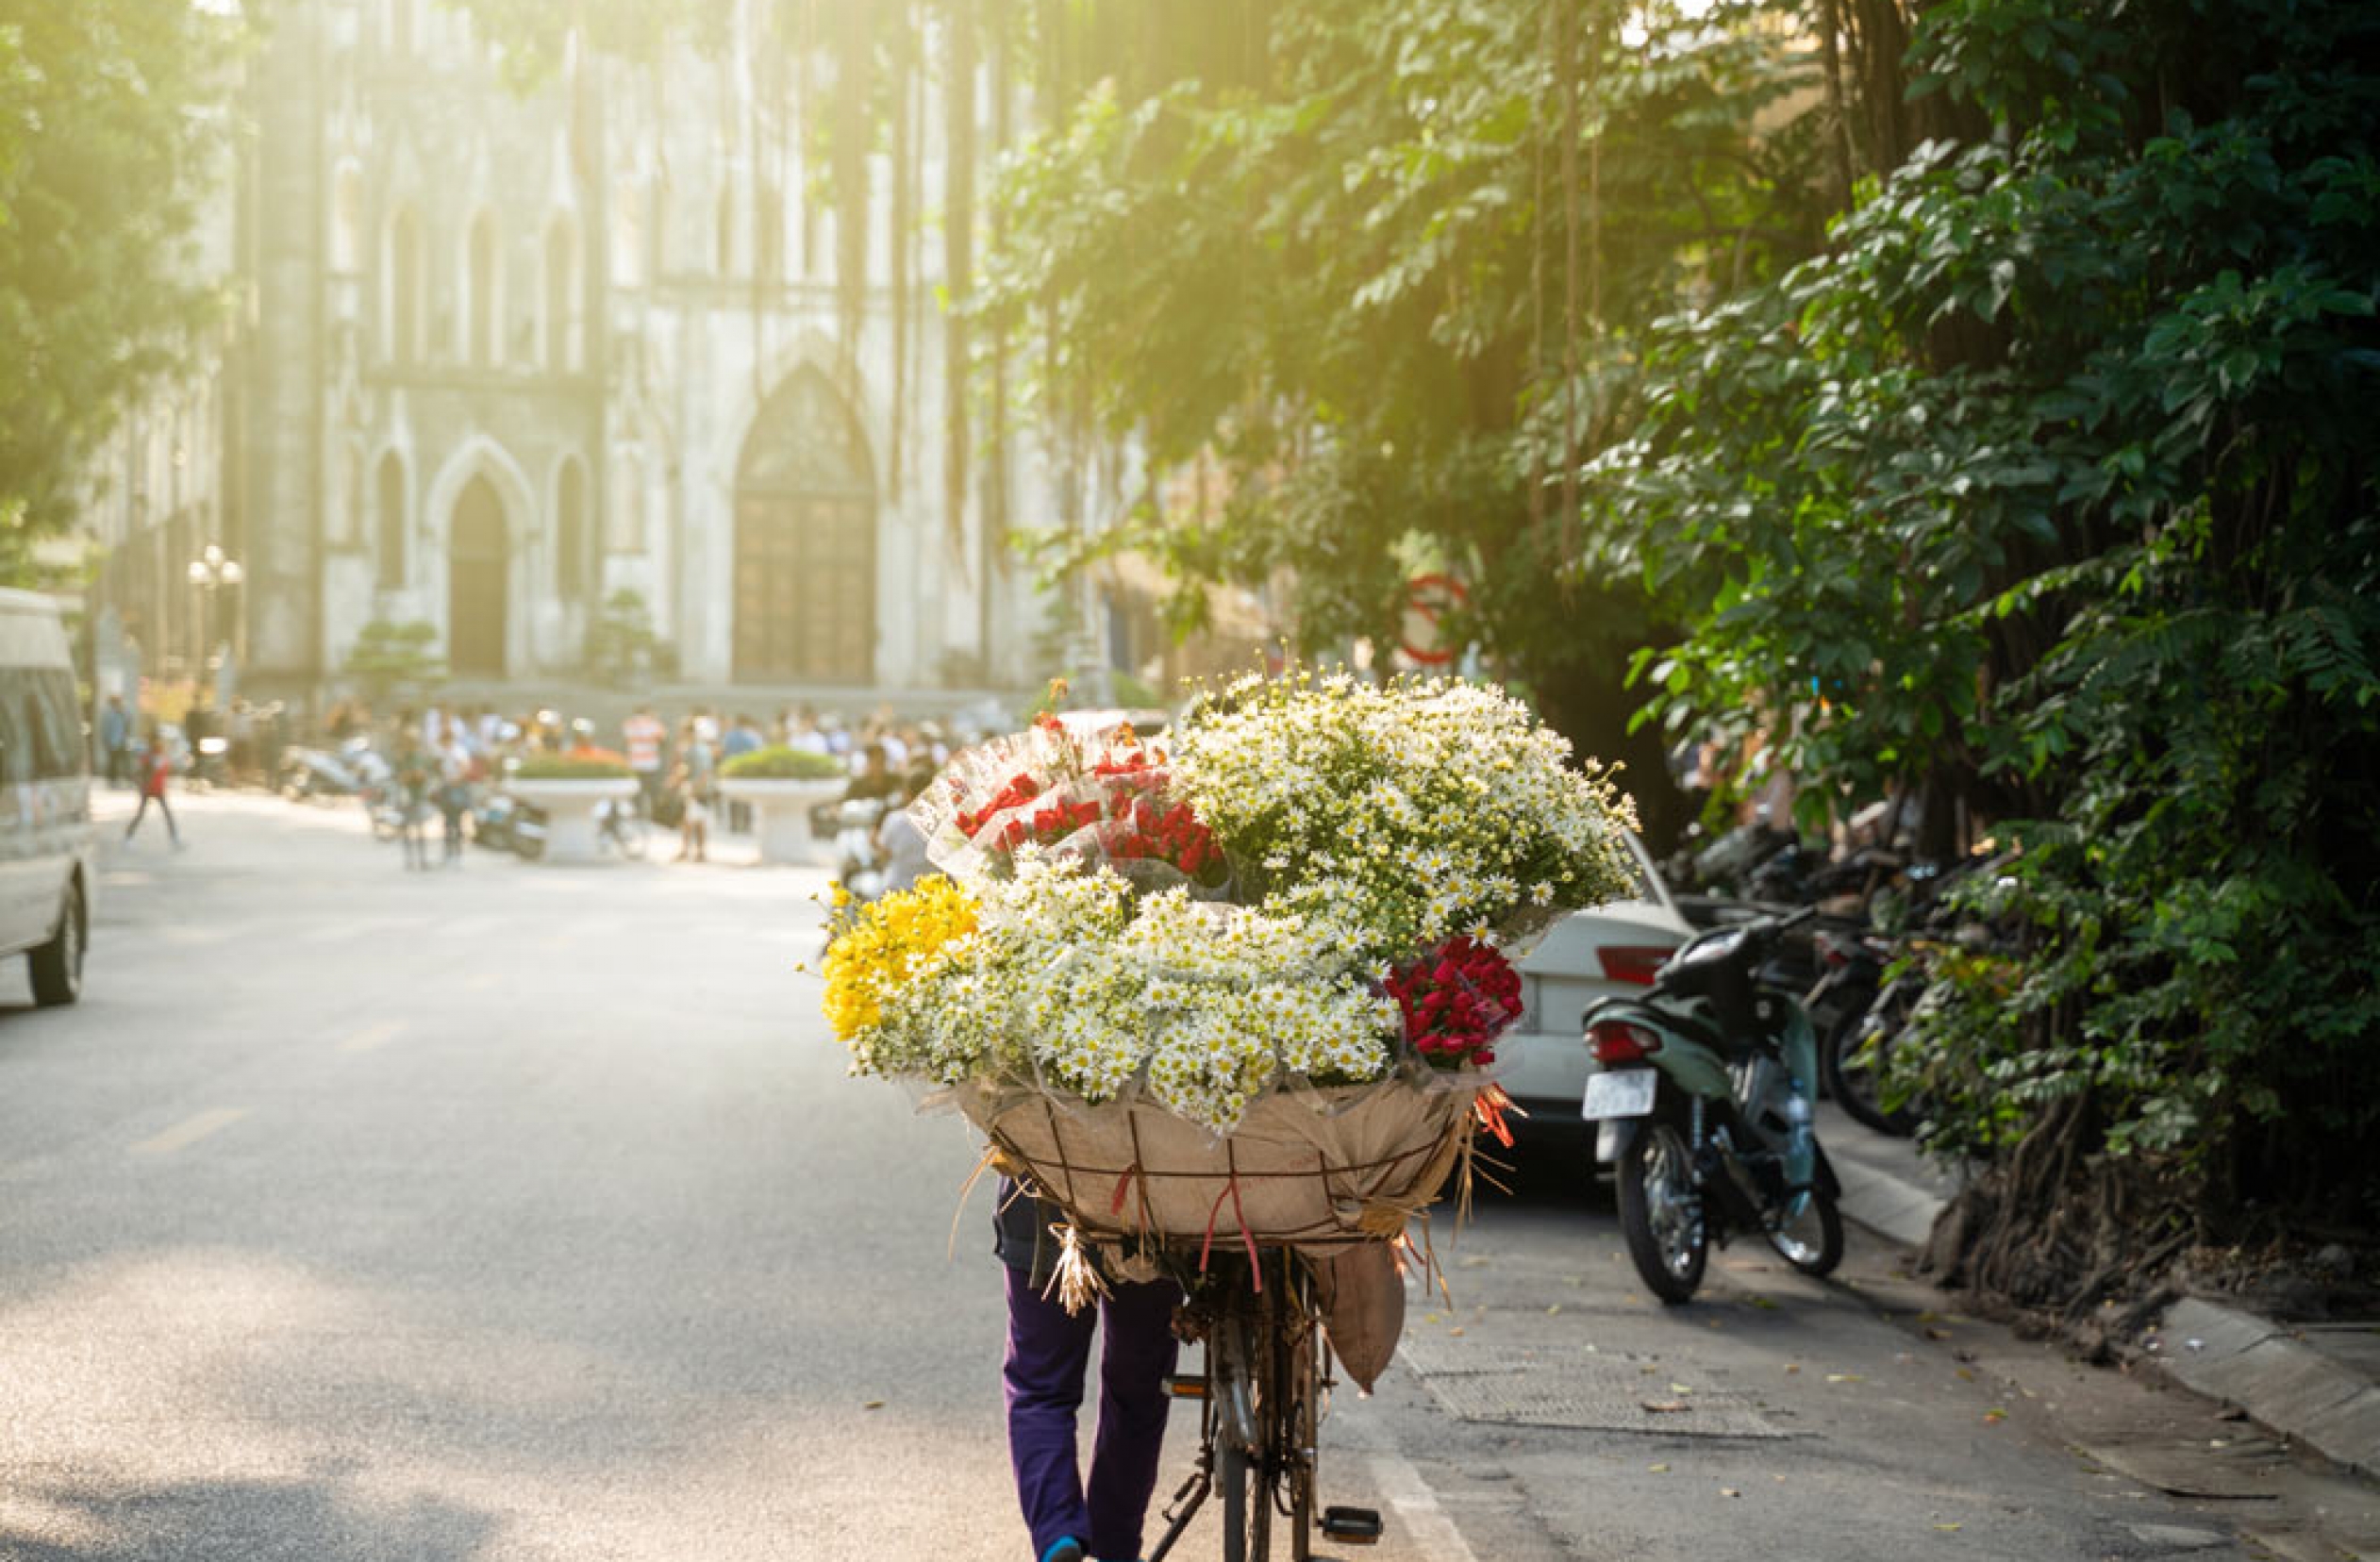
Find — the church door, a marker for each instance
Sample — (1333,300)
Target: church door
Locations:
(478,569)
(805,542)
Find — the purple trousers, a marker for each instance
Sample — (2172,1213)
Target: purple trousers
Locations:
(1043,1376)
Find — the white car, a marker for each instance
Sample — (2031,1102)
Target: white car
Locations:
(1587,954)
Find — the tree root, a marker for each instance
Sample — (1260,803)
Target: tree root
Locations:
(2080,1243)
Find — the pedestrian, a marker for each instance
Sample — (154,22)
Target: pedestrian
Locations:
(900,843)
(643,735)
(155,765)
(1042,1376)
(695,765)
(115,742)
(414,769)
(455,764)
(743,736)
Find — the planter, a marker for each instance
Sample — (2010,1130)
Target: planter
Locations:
(569,807)
(781,816)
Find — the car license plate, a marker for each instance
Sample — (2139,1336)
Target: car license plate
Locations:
(1625,1094)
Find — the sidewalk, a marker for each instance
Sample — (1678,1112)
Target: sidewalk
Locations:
(2318,1384)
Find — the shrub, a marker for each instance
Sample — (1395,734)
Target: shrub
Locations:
(782,763)
(562,767)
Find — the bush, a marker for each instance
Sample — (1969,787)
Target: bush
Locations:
(782,763)
(562,767)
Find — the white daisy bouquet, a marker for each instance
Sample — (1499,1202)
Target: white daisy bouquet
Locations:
(1341,868)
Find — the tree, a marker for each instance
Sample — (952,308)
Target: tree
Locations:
(1338,258)
(2048,487)
(390,658)
(111,125)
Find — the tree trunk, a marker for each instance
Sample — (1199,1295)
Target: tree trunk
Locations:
(959,264)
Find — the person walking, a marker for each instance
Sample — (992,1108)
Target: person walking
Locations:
(455,764)
(643,737)
(742,737)
(694,775)
(115,742)
(156,767)
(414,769)
(1042,1376)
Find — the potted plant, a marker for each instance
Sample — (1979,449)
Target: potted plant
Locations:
(568,789)
(781,785)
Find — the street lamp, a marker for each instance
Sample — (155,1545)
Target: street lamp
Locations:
(211,570)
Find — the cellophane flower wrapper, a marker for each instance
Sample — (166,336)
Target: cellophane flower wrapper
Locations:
(1108,800)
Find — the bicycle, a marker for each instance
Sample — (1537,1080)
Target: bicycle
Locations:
(1262,1398)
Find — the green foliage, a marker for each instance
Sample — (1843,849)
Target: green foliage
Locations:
(389,659)
(565,767)
(111,127)
(620,643)
(1339,281)
(2050,485)
(782,763)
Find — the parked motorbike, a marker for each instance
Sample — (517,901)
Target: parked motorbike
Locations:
(493,815)
(1701,1090)
(326,773)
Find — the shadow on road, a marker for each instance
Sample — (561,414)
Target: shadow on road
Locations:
(316,1517)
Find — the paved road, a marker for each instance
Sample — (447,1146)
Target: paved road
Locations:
(526,1213)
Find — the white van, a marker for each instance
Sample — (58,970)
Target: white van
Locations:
(45,826)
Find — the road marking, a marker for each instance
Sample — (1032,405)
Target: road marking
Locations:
(188,1132)
(192,938)
(373,1036)
(482,982)
(1433,1535)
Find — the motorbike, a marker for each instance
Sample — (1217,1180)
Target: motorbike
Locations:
(1701,1089)
(324,773)
(858,862)
(493,815)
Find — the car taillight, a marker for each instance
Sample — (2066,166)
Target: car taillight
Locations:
(1634,964)
(1618,1041)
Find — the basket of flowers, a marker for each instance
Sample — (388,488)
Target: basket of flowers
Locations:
(1241,983)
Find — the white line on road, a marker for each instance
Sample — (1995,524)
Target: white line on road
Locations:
(1425,1525)
(373,1036)
(482,982)
(196,938)
(188,1132)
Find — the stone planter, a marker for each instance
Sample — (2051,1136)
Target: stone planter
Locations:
(569,807)
(781,816)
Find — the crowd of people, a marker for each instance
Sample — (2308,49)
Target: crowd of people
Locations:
(444,756)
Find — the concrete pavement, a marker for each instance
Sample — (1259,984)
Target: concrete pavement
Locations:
(514,1214)
(2318,1384)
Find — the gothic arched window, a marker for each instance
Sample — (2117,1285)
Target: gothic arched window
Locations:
(560,307)
(403,303)
(571,562)
(484,321)
(390,520)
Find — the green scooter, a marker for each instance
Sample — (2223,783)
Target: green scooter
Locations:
(1701,1091)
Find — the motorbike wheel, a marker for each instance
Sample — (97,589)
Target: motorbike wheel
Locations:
(1853,1066)
(1661,1211)
(1812,1243)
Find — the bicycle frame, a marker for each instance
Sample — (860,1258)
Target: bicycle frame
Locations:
(1260,1403)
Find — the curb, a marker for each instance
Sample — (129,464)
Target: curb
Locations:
(2233,1357)
(2257,1366)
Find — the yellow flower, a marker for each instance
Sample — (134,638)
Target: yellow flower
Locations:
(895,940)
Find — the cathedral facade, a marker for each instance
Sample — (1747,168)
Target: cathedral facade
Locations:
(506,355)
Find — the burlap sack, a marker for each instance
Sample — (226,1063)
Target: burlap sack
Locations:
(1315,1168)
(1363,1307)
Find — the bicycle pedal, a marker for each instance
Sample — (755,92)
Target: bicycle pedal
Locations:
(1351,1526)
(1189,1385)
